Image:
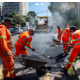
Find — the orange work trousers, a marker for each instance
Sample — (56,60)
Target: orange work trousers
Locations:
(59,38)
(65,46)
(8,64)
(20,50)
(73,55)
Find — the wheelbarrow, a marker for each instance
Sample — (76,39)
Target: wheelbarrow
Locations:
(32,61)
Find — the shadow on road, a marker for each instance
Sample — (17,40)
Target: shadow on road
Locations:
(60,57)
(25,74)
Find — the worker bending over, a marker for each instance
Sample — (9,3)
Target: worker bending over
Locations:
(76,46)
(66,39)
(24,39)
(59,33)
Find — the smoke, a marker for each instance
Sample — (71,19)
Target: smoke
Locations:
(55,20)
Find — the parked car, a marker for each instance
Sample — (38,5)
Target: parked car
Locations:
(13,32)
(18,30)
(24,28)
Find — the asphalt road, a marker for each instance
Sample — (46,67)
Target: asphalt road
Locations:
(42,42)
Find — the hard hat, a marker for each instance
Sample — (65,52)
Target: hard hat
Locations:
(73,28)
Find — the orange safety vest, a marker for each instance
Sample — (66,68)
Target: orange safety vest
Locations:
(24,39)
(10,42)
(66,34)
(59,31)
(76,38)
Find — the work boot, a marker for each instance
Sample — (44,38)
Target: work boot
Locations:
(63,69)
(17,78)
(7,78)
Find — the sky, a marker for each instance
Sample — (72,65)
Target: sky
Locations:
(40,8)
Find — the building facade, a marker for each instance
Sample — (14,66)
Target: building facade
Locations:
(19,7)
(0,9)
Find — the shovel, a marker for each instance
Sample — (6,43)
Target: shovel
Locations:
(49,57)
(55,42)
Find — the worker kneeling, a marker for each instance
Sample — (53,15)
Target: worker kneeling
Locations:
(24,39)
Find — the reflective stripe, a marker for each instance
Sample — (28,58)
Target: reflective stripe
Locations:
(77,44)
(9,41)
(65,43)
(66,36)
(11,45)
(77,39)
(4,68)
(2,36)
(28,42)
(66,33)
(28,36)
(20,43)
(75,35)
(69,62)
(11,72)
(73,39)
(66,50)
(22,39)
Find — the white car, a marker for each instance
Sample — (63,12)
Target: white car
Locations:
(18,29)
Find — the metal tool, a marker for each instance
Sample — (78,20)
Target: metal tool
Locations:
(16,59)
(49,57)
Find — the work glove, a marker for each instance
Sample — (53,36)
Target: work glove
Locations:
(33,49)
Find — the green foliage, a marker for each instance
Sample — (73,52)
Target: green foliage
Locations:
(31,20)
(18,19)
(75,23)
(32,13)
(11,15)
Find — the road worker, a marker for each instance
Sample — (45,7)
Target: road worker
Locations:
(8,63)
(66,39)
(76,46)
(59,33)
(24,39)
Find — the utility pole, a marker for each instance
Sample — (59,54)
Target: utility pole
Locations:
(78,10)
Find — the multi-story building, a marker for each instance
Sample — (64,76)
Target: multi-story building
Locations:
(19,7)
(0,9)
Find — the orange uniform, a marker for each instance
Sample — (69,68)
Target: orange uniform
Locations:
(8,63)
(24,39)
(76,48)
(59,34)
(66,39)
(10,42)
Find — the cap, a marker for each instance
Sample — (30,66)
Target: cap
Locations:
(8,19)
(31,29)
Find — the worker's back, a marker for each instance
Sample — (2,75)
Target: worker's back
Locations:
(76,39)
(24,39)
(66,34)
(59,31)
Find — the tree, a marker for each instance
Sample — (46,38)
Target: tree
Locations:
(11,15)
(18,19)
(32,13)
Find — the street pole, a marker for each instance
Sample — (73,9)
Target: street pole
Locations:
(78,10)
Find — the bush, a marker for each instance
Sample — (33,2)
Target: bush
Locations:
(75,23)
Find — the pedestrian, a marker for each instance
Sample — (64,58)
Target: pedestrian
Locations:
(76,46)
(59,33)
(8,63)
(24,39)
(66,39)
